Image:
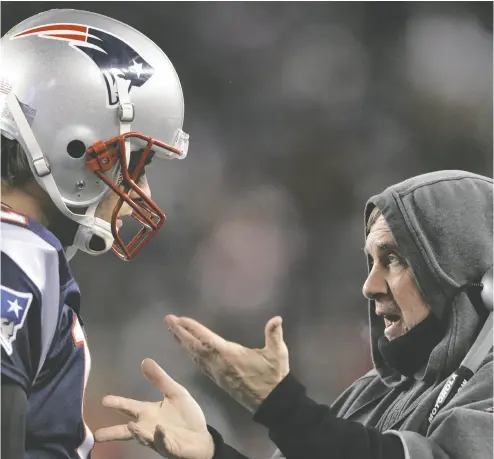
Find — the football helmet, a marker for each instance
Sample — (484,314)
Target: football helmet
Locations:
(91,101)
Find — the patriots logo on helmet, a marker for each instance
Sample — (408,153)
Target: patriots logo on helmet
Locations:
(15,306)
(114,57)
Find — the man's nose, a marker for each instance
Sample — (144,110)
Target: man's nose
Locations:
(375,286)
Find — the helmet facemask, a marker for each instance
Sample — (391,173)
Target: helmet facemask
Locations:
(102,157)
(105,156)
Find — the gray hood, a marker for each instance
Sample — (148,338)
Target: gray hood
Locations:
(442,223)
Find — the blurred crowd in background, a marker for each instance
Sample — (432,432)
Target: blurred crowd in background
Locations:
(298,113)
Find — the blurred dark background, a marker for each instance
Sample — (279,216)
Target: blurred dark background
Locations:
(298,112)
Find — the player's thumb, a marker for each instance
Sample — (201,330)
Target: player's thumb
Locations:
(274,333)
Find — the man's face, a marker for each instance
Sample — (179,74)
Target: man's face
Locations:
(106,206)
(391,283)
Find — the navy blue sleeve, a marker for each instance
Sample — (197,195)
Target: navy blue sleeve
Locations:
(20,333)
(14,407)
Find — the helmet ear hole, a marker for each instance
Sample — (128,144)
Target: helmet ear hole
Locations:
(97,244)
(76,149)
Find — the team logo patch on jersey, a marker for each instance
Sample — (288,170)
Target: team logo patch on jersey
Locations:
(15,306)
(114,57)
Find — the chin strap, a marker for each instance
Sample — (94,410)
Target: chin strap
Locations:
(84,235)
(126,112)
(89,225)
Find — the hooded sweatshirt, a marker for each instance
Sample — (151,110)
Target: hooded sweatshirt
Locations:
(442,223)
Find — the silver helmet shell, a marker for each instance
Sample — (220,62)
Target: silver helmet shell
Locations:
(80,78)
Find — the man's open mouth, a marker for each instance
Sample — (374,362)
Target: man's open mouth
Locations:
(394,326)
(390,319)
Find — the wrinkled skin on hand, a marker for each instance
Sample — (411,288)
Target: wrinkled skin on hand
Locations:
(247,375)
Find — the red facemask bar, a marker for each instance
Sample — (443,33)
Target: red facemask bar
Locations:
(101,158)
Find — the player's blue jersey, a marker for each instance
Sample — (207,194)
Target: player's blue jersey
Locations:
(44,346)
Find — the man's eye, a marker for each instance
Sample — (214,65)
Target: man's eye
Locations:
(395,259)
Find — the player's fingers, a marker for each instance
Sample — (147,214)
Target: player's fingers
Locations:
(113,433)
(127,406)
(159,378)
(141,435)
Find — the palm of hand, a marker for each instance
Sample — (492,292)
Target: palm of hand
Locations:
(175,428)
(182,420)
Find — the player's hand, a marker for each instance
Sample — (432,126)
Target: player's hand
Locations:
(247,375)
(175,428)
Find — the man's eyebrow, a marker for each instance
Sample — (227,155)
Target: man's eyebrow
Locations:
(386,246)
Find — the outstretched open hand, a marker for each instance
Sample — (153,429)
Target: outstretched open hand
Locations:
(247,375)
(175,428)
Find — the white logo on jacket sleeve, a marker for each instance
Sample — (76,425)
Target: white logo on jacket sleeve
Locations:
(15,306)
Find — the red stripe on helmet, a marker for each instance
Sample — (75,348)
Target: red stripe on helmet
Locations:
(68,36)
(48,28)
